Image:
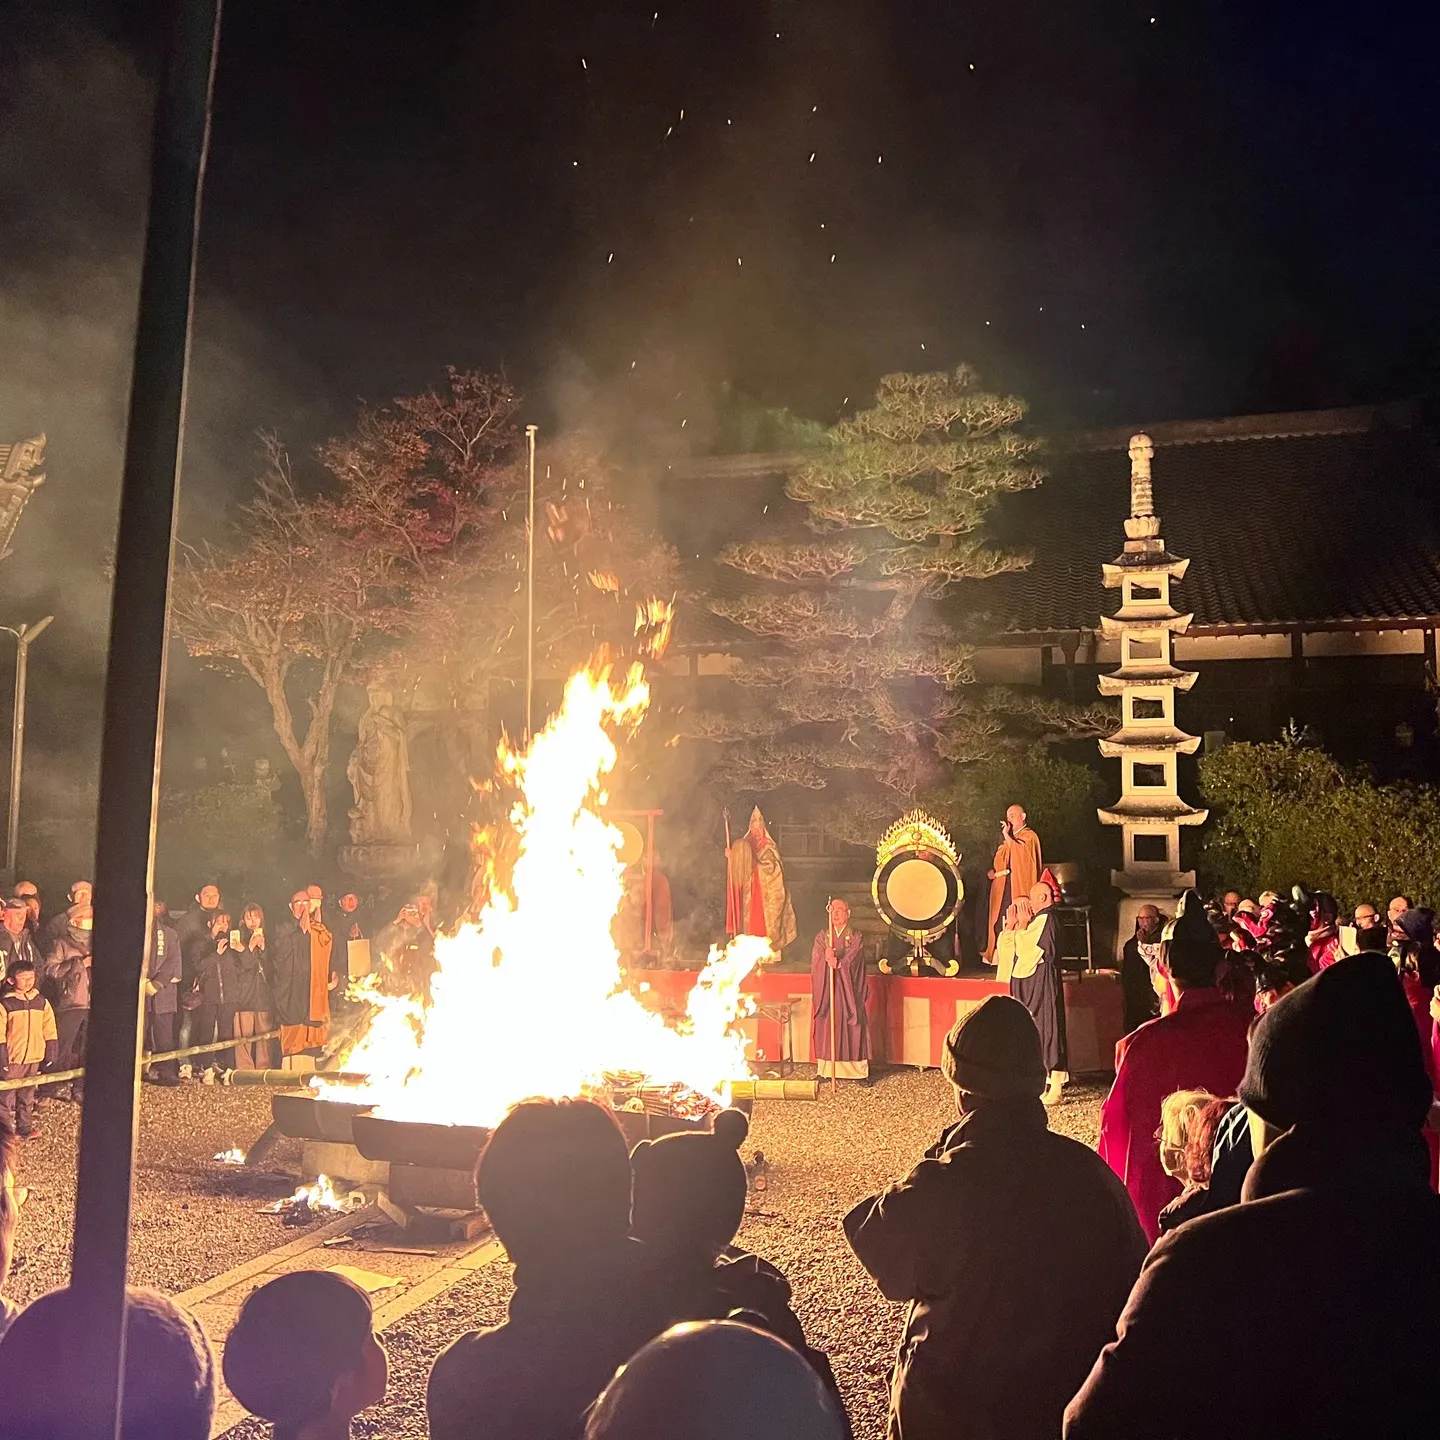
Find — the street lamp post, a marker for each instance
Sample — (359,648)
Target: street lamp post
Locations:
(25,636)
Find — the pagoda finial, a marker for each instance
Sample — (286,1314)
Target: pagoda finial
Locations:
(1142,496)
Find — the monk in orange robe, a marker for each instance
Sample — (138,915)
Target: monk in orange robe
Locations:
(1015,873)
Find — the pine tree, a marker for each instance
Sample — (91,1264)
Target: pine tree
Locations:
(861,683)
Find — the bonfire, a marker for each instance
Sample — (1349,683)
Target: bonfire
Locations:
(529,999)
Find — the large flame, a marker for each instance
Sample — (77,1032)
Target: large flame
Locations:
(529,999)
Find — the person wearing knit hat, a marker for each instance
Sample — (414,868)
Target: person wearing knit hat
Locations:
(303,1354)
(687,1202)
(1339,1234)
(1200,1045)
(1013,1247)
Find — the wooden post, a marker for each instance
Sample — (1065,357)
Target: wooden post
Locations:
(135,708)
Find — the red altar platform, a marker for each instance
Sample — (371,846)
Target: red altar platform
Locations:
(909,1015)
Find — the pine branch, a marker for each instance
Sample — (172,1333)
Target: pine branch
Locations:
(825,561)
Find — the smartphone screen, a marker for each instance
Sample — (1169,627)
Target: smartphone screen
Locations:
(235,938)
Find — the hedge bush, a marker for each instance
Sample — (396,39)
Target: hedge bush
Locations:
(1283,812)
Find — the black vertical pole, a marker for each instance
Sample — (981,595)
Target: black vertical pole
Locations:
(135,705)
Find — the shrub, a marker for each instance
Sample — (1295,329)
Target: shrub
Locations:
(224,830)
(1282,813)
(1059,797)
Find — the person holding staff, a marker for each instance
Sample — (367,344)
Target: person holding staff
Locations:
(837,974)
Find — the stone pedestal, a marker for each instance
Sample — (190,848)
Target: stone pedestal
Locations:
(380,863)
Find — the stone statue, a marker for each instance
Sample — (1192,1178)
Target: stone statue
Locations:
(379,772)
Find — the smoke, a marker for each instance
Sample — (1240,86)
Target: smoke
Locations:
(74,152)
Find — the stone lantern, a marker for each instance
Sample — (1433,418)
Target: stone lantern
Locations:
(1150,810)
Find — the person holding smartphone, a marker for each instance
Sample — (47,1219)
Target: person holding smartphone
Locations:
(252,992)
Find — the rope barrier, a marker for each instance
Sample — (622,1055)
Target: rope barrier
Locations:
(59,1077)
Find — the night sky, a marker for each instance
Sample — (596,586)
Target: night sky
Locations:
(1123,211)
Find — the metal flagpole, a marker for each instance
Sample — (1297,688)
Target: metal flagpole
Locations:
(530,588)
(135,710)
(25,637)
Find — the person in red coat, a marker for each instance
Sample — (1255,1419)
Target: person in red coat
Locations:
(1200,1046)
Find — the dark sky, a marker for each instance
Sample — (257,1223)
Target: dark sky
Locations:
(1124,211)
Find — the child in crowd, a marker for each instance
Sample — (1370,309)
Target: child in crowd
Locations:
(687,1204)
(304,1355)
(28,1040)
(1188,1122)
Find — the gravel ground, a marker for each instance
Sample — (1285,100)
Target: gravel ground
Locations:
(822,1158)
(191,1218)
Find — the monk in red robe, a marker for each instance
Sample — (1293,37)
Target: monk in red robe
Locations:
(1201,1046)
(1015,873)
(756,900)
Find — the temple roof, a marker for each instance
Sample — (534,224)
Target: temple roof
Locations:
(1316,519)
(1288,521)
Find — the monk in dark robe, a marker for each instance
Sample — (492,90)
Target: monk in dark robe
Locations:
(1015,872)
(837,968)
(1041,990)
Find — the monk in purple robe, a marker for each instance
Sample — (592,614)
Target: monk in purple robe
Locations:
(837,968)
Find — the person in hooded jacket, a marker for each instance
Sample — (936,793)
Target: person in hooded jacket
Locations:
(687,1203)
(1339,1233)
(1013,1247)
(67,973)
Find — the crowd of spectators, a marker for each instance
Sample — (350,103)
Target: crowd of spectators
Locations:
(1265,1170)
(218,973)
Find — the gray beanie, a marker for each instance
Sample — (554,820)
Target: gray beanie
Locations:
(994,1051)
(1341,1049)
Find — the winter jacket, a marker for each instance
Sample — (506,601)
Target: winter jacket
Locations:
(67,970)
(252,985)
(29,1036)
(571,1325)
(165,971)
(215,972)
(193,931)
(1015,1249)
(742,1281)
(12,946)
(1328,1267)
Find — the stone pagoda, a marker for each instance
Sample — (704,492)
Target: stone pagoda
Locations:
(1148,743)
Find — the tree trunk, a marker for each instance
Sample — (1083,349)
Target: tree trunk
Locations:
(317,815)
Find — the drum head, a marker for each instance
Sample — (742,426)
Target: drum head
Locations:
(917,892)
(632,844)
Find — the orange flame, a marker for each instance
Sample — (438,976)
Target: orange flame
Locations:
(528,1000)
(654,623)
